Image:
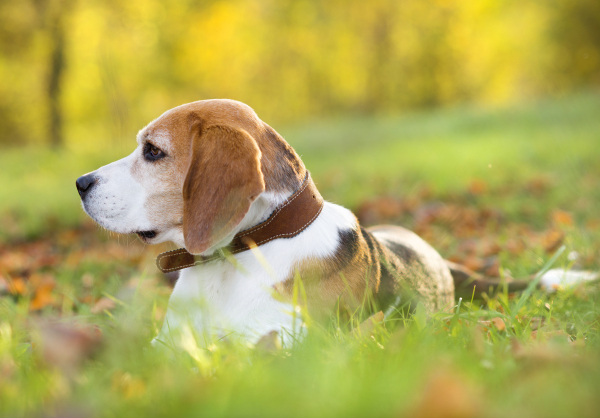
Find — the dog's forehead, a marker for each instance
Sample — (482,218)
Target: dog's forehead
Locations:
(174,125)
(162,131)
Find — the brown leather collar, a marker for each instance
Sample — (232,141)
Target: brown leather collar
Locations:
(287,221)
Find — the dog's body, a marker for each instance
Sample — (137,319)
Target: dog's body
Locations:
(334,257)
(205,171)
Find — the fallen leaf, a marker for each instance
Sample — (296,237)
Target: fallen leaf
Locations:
(539,185)
(560,217)
(43,286)
(552,240)
(515,246)
(367,327)
(104,304)
(379,210)
(67,345)
(478,187)
(496,322)
(593,224)
(448,395)
(492,268)
(474,263)
(17,286)
(87,280)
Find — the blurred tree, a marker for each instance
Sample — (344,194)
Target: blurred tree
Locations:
(289,59)
(16,44)
(32,41)
(54,13)
(575,35)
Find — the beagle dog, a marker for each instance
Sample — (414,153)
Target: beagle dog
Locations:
(213,178)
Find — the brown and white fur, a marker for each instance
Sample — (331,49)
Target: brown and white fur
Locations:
(220,170)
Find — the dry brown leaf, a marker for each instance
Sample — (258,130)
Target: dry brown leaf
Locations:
(380,209)
(448,395)
(87,280)
(593,224)
(104,304)
(474,263)
(14,261)
(496,322)
(369,324)
(552,240)
(478,187)
(66,345)
(560,217)
(17,286)
(539,185)
(43,286)
(492,269)
(489,247)
(515,246)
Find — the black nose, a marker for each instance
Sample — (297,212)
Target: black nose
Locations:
(85,183)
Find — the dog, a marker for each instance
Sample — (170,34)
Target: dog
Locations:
(213,178)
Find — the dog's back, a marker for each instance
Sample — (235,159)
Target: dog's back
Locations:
(414,268)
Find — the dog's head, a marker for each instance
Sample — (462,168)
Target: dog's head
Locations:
(194,176)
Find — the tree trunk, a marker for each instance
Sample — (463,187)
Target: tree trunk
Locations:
(56,64)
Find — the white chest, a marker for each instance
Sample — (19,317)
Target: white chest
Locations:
(219,298)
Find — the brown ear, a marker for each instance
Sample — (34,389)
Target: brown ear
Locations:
(223,180)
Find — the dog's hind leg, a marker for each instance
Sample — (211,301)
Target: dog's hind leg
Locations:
(468,283)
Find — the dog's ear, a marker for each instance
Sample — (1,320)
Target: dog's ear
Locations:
(223,180)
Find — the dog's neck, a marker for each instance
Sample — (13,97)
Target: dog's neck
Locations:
(260,210)
(267,202)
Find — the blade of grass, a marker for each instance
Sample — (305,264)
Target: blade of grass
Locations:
(533,285)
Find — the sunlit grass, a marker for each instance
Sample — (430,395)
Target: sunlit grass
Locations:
(382,372)
(542,360)
(355,158)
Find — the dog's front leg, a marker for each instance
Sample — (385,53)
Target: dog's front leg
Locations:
(183,325)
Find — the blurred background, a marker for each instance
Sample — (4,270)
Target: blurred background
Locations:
(71,70)
(475,123)
(398,108)
(414,101)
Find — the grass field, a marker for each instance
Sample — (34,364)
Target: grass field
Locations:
(508,192)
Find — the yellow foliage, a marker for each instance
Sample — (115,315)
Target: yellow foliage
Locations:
(126,62)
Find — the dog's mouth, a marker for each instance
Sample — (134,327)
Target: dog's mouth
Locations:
(146,235)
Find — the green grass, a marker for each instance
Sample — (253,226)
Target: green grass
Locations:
(356,158)
(410,367)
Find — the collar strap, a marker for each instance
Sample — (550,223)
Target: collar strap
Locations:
(288,220)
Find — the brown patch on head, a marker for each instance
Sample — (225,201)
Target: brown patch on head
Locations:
(281,167)
(219,157)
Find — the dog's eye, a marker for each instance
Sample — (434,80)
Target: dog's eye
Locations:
(152,153)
